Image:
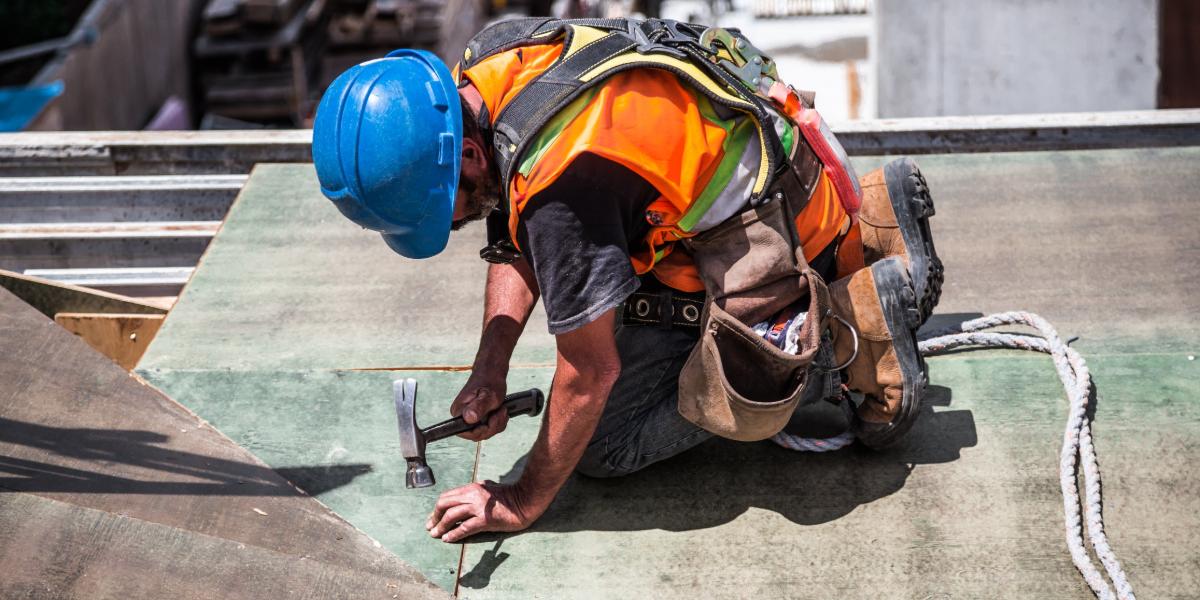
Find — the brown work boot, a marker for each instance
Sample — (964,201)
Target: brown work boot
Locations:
(894,221)
(874,335)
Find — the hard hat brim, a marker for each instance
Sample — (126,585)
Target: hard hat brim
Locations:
(425,238)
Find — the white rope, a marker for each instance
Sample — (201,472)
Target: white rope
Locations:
(803,444)
(1077,444)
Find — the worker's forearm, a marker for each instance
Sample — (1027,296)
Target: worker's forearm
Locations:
(509,299)
(575,407)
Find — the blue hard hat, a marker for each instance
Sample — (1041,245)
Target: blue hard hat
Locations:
(387,144)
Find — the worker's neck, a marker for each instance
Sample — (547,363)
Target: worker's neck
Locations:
(472,97)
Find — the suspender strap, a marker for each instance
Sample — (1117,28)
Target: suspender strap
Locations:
(504,36)
(546,96)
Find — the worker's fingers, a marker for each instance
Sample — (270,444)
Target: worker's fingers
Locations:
(458,495)
(496,422)
(469,527)
(460,401)
(454,497)
(480,404)
(462,512)
(477,434)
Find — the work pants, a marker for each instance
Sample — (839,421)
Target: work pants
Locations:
(641,424)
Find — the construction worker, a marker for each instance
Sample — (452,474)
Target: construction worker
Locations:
(646,197)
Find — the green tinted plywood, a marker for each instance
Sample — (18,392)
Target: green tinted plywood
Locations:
(344,420)
(289,283)
(968,507)
(1102,243)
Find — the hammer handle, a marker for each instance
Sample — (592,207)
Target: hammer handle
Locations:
(529,402)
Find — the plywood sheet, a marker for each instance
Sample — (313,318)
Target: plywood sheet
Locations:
(291,301)
(1099,242)
(77,429)
(968,507)
(289,283)
(317,417)
(57,550)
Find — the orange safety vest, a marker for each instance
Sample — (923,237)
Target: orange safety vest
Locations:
(653,124)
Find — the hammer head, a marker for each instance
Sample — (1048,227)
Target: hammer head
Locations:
(412,440)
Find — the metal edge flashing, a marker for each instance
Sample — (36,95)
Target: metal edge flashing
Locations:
(217,152)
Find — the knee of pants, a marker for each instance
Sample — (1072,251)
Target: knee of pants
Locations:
(595,463)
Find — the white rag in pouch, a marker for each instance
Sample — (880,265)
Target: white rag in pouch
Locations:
(786,337)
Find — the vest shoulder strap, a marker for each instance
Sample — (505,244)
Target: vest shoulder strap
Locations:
(528,31)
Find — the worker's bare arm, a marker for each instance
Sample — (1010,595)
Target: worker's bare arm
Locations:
(587,368)
(510,296)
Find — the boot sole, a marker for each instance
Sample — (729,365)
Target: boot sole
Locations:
(913,206)
(899,303)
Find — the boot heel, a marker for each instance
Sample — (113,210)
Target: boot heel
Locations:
(913,206)
(898,301)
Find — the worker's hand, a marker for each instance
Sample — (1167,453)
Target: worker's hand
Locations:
(479,507)
(481,398)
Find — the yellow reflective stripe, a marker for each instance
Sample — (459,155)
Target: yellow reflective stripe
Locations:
(692,71)
(760,182)
(583,37)
(658,256)
(699,78)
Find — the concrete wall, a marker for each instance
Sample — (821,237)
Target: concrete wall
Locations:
(960,57)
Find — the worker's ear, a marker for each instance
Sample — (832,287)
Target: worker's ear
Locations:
(474,160)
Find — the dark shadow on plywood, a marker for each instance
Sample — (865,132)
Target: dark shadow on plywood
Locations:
(209,476)
(720,480)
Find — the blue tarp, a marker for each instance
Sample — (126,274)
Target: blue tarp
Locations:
(19,105)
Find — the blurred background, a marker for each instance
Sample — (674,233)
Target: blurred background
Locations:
(244,64)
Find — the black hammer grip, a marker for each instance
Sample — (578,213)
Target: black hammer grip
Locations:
(528,402)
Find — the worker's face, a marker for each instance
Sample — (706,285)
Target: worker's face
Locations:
(478,191)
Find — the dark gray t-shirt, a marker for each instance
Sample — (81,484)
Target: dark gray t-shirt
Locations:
(576,235)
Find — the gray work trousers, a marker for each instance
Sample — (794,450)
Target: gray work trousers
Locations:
(641,424)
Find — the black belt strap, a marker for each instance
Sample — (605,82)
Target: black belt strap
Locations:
(663,308)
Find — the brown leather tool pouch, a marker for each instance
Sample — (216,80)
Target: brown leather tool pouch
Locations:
(735,384)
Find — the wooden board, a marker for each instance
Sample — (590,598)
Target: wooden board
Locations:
(121,337)
(77,429)
(53,297)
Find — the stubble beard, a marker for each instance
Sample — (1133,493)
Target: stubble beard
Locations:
(482,198)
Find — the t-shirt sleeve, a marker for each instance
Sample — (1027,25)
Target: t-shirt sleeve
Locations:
(576,235)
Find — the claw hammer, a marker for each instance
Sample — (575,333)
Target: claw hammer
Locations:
(413,439)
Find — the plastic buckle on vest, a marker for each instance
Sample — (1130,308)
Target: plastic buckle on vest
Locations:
(500,253)
(656,36)
(500,249)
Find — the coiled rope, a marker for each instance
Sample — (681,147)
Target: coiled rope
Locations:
(1077,444)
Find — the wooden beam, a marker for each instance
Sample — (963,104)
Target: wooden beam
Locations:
(121,337)
(53,297)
